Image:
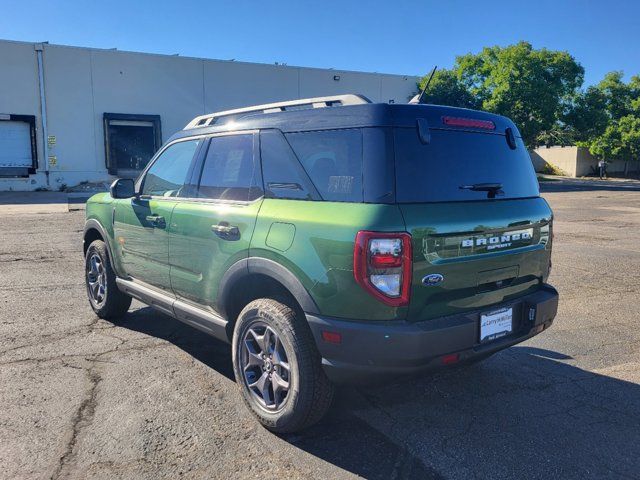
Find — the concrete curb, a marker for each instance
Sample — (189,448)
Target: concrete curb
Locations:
(16,203)
(25,203)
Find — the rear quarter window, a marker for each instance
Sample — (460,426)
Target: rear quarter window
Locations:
(333,161)
(283,175)
(434,172)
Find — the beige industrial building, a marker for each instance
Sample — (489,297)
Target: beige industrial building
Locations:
(70,115)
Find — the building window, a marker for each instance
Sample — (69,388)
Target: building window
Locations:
(130,142)
(18,152)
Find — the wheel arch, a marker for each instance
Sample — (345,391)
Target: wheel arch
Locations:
(93,230)
(257,277)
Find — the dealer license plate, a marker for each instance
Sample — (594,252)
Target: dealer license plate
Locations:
(496,324)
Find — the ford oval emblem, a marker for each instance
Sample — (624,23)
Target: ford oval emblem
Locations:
(432,279)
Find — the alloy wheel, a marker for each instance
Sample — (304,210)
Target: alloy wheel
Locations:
(265,366)
(96,279)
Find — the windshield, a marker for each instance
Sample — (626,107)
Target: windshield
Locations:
(459,165)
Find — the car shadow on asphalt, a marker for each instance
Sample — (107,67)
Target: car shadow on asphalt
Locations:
(524,413)
(207,350)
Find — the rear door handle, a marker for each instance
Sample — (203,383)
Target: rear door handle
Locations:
(226,231)
(156,221)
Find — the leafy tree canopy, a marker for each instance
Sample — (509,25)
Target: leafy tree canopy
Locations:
(585,117)
(614,131)
(530,86)
(446,89)
(540,90)
(620,140)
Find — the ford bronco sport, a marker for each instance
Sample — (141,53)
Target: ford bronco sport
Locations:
(331,240)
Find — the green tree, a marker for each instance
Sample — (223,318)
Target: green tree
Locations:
(530,86)
(620,140)
(608,145)
(446,89)
(586,117)
(629,127)
(618,95)
(606,118)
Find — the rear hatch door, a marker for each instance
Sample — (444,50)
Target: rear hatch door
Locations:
(473,248)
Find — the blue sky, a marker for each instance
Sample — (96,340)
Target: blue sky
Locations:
(406,37)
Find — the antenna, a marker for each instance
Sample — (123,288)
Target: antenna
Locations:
(426,85)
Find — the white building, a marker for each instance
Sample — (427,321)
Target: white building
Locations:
(70,114)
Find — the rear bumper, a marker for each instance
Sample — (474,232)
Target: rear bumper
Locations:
(369,350)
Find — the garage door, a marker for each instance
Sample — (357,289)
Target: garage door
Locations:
(17,146)
(130,140)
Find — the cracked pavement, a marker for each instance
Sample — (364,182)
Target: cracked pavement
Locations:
(149,397)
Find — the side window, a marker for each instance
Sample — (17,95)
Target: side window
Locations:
(229,171)
(167,176)
(333,160)
(284,177)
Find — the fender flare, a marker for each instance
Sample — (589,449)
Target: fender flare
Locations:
(268,268)
(93,224)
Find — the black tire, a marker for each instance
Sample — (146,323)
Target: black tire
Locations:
(309,392)
(112,304)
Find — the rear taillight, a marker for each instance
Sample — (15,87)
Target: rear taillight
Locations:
(382,265)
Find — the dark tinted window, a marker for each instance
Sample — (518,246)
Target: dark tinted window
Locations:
(167,175)
(229,170)
(434,172)
(333,161)
(283,175)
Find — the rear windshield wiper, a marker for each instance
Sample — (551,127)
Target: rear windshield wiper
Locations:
(492,189)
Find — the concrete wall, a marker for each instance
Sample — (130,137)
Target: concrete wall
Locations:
(617,166)
(564,158)
(538,162)
(575,161)
(585,162)
(81,84)
(19,91)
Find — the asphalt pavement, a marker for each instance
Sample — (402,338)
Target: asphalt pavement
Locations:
(151,398)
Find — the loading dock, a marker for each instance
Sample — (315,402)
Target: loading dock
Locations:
(18,152)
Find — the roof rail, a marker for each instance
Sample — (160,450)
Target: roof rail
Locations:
(304,103)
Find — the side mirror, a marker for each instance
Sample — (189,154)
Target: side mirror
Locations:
(122,188)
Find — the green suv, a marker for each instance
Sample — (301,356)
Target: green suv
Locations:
(331,240)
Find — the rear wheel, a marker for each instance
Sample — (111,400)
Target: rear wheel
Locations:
(277,367)
(105,298)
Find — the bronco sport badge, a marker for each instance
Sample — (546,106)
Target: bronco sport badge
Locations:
(504,240)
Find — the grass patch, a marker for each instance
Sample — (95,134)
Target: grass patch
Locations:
(542,178)
(549,169)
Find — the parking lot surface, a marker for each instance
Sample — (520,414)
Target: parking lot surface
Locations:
(150,398)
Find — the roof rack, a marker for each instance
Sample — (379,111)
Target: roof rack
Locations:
(304,103)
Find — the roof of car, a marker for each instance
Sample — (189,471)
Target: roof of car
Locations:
(356,116)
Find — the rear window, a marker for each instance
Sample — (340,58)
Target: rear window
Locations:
(333,161)
(434,172)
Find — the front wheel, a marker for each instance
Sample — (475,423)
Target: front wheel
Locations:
(277,367)
(106,300)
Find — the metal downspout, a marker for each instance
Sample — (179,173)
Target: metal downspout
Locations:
(43,111)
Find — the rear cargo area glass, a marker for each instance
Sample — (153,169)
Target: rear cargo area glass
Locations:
(434,172)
